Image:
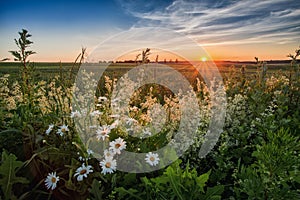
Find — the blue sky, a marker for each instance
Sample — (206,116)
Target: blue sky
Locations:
(227,29)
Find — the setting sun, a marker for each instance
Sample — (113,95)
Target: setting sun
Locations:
(203,59)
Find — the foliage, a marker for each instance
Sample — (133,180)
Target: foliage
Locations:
(8,169)
(275,173)
(174,183)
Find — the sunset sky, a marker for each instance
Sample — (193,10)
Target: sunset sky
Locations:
(226,29)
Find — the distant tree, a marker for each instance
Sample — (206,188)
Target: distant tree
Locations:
(294,65)
(4,59)
(297,53)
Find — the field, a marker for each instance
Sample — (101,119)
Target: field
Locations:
(61,140)
(49,70)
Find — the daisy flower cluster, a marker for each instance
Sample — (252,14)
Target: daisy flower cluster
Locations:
(63,129)
(109,163)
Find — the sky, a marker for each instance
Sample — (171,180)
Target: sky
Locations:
(226,29)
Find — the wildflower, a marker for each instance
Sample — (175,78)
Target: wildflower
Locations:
(102,99)
(115,124)
(108,165)
(147,132)
(96,113)
(152,158)
(90,152)
(50,128)
(108,153)
(130,121)
(117,145)
(51,181)
(103,132)
(75,114)
(83,171)
(62,130)
(81,158)
(114,116)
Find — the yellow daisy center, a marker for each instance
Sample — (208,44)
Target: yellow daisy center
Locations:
(117,146)
(53,179)
(82,172)
(152,159)
(108,165)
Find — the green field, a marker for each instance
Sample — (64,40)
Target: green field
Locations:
(47,70)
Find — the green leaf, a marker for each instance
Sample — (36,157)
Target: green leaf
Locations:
(201,180)
(122,192)
(8,168)
(95,191)
(213,193)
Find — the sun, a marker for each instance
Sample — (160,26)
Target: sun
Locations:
(203,59)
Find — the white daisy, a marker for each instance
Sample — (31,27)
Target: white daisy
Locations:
(152,158)
(75,114)
(51,181)
(83,171)
(108,153)
(103,132)
(62,130)
(117,145)
(108,165)
(50,128)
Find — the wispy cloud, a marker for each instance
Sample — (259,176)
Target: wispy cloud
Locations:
(228,22)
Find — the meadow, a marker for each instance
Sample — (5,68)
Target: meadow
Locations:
(57,146)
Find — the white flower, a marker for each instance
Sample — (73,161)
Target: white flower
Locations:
(115,124)
(96,113)
(51,181)
(108,165)
(130,121)
(103,132)
(90,152)
(115,116)
(102,99)
(50,128)
(147,132)
(81,158)
(152,158)
(62,130)
(108,153)
(75,114)
(117,145)
(83,171)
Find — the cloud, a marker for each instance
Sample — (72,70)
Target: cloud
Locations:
(227,22)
